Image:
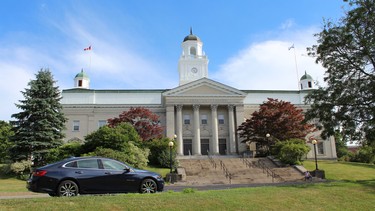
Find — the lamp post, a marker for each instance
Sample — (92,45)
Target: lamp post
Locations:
(170,144)
(269,144)
(314,142)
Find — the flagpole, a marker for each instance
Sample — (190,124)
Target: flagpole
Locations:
(90,58)
(295,62)
(88,49)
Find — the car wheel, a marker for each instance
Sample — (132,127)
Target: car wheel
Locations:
(67,188)
(148,186)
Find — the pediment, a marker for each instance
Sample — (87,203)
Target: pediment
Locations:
(204,87)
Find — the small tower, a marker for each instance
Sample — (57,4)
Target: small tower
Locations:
(193,63)
(306,82)
(82,80)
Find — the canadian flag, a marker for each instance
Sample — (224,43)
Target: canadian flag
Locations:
(87,49)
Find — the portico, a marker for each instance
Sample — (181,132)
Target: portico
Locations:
(203,114)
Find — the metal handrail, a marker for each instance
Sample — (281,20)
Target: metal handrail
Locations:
(227,174)
(268,171)
(265,169)
(211,159)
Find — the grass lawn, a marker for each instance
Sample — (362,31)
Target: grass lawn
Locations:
(353,188)
(344,170)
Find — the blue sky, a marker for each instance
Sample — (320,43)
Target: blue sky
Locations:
(136,44)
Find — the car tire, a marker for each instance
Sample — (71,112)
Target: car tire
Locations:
(148,186)
(67,188)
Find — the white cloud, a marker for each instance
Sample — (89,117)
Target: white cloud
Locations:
(114,62)
(13,80)
(287,24)
(269,65)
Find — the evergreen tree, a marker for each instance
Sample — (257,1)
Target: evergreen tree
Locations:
(5,134)
(347,50)
(39,125)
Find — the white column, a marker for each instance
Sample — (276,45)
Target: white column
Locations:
(170,121)
(197,133)
(232,132)
(239,117)
(180,144)
(214,144)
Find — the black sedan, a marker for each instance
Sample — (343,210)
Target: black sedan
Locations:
(92,175)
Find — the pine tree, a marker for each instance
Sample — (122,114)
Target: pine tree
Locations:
(5,134)
(39,125)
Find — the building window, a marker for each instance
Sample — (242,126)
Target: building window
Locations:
(204,119)
(79,83)
(221,119)
(75,125)
(320,147)
(193,51)
(309,84)
(187,119)
(102,123)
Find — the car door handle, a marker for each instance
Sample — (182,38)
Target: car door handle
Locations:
(107,172)
(79,172)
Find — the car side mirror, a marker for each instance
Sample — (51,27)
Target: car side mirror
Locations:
(126,170)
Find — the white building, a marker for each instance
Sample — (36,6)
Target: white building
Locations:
(204,114)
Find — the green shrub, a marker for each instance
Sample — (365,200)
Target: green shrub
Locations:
(164,158)
(346,158)
(22,168)
(365,154)
(291,151)
(160,152)
(5,169)
(112,138)
(70,149)
(133,155)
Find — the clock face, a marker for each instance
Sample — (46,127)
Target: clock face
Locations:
(194,70)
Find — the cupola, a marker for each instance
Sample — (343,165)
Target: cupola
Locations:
(82,80)
(306,82)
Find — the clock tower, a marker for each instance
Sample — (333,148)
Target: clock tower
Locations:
(193,63)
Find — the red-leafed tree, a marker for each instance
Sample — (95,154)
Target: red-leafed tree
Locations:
(282,120)
(144,121)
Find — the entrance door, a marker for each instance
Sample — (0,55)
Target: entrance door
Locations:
(205,146)
(188,146)
(222,146)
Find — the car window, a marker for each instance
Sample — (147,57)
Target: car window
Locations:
(89,163)
(111,164)
(71,164)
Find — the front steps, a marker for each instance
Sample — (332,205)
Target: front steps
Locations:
(201,170)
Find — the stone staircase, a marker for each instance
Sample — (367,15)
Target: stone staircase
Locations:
(230,170)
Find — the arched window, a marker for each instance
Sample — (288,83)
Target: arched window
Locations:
(193,51)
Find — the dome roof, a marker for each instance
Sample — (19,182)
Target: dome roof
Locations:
(306,76)
(82,75)
(191,37)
